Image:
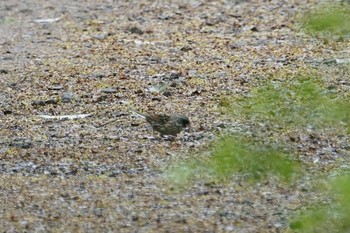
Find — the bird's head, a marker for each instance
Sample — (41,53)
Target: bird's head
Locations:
(181,120)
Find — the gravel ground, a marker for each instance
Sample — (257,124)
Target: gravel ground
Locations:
(105,172)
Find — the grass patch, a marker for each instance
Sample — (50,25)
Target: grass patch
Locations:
(328,19)
(234,155)
(237,156)
(331,218)
(296,104)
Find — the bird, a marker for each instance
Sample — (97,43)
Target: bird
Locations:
(166,124)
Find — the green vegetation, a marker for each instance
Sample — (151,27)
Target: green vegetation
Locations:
(296,103)
(288,104)
(331,218)
(332,111)
(236,155)
(293,104)
(328,19)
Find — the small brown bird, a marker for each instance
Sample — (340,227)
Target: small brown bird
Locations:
(165,124)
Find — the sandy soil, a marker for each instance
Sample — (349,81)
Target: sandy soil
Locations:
(104,58)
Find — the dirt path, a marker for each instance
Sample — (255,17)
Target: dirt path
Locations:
(104,58)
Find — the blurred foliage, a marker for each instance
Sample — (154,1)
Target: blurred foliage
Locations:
(238,156)
(332,19)
(293,104)
(296,103)
(325,109)
(331,218)
(182,174)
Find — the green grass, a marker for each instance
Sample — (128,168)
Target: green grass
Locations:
(331,19)
(237,156)
(333,217)
(296,104)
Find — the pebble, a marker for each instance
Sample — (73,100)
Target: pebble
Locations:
(174,76)
(21,143)
(109,90)
(38,103)
(4,71)
(56,87)
(167,93)
(192,72)
(136,30)
(101,36)
(98,75)
(69,97)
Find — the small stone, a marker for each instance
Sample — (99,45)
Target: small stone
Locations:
(167,93)
(24,223)
(109,90)
(154,60)
(8,58)
(114,174)
(98,212)
(38,103)
(221,74)
(22,143)
(4,71)
(51,101)
(196,92)
(136,30)
(174,76)
(139,91)
(101,36)
(156,99)
(56,87)
(254,29)
(165,16)
(98,75)
(7,112)
(173,84)
(229,228)
(192,72)
(221,125)
(118,114)
(68,97)
(186,48)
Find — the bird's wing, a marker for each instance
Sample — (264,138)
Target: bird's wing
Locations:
(162,119)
